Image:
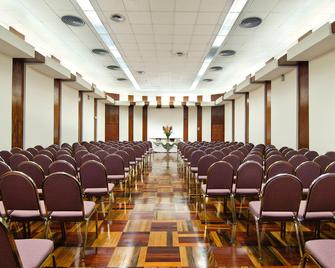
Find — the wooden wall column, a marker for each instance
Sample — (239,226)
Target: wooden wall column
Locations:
(131,123)
(57,110)
(233,120)
(145,123)
(185,128)
(95,119)
(267,104)
(18,88)
(80,117)
(199,123)
(246,117)
(303,105)
(217,120)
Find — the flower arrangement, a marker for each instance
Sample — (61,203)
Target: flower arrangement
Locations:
(167,131)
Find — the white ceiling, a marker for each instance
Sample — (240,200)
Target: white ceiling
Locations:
(155,29)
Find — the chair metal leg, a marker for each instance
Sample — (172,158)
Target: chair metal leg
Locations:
(296,226)
(258,238)
(233,205)
(85,237)
(205,209)
(96,224)
(301,234)
(54,264)
(46,228)
(248,221)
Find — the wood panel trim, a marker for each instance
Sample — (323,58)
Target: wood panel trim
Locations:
(18,89)
(233,120)
(185,129)
(199,123)
(57,110)
(303,105)
(246,128)
(80,117)
(95,119)
(267,104)
(217,123)
(111,123)
(145,123)
(131,123)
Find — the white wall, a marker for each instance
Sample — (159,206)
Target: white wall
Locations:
(284,111)
(157,118)
(6,65)
(192,123)
(39,109)
(257,115)
(228,118)
(101,121)
(321,103)
(206,123)
(123,123)
(69,114)
(88,118)
(240,119)
(138,118)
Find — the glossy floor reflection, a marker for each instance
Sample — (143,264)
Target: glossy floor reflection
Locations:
(160,227)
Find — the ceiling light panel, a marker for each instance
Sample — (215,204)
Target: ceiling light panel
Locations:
(93,17)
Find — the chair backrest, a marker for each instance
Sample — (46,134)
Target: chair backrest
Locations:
(311,155)
(254,157)
(195,156)
(138,151)
(249,175)
(4,168)
(114,164)
(234,160)
(44,161)
(283,193)
(331,155)
(62,192)
(62,166)
(291,153)
(272,159)
(47,153)
(33,151)
(88,157)
(93,175)
(34,171)
(27,154)
(78,155)
(218,154)
(239,154)
(204,163)
(6,155)
(131,153)
(102,154)
(297,159)
(15,150)
(124,155)
(16,159)
(323,161)
(111,150)
(62,152)
(279,167)
(68,158)
(307,172)
(27,199)
(9,256)
(330,168)
(321,194)
(220,176)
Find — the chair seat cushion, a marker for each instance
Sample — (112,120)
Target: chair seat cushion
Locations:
(318,215)
(245,191)
(89,207)
(132,162)
(194,169)
(116,177)
(33,252)
(200,178)
(215,192)
(126,169)
(255,208)
(17,215)
(323,251)
(2,209)
(99,191)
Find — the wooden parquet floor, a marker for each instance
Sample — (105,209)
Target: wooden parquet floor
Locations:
(160,227)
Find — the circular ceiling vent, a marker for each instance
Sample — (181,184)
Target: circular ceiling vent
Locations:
(207,80)
(113,67)
(121,79)
(250,22)
(117,18)
(227,52)
(73,21)
(140,72)
(216,68)
(100,51)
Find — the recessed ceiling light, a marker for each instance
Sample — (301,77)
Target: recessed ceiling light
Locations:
(117,18)
(73,21)
(113,67)
(140,72)
(250,22)
(207,80)
(121,79)
(100,51)
(180,54)
(227,52)
(216,68)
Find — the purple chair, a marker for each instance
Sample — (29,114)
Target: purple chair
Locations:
(44,161)
(47,153)
(203,165)
(64,202)
(102,155)
(195,156)
(321,252)
(39,147)
(68,159)
(307,172)
(303,151)
(4,168)
(62,152)
(78,157)
(24,207)
(88,157)
(330,168)
(6,155)
(289,154)
(234,160)
(297,159)
(35,172)
(255,158)
(331,155)
(323,161)
(280,201)
(124,155)
(23,252)
(320,203)
(311,155)
(132,156)
(62,166)
(16,160)
(16,150)
(272,159)
(239,154)
(115,168)
(33,151)
(111,150)
(93,177)
(27,154)
(279,167)
(220,179)
(218,154)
